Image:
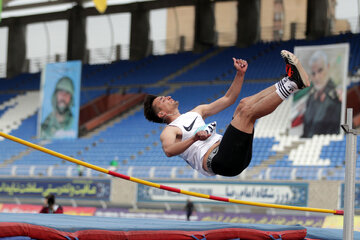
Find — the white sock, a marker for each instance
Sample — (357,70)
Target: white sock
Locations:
(281,82)
(285,88)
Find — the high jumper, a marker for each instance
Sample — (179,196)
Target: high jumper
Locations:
(206,151)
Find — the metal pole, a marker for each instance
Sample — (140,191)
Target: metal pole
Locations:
(350,167)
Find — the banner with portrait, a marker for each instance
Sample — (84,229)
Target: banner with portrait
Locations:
(60,100)
(320,108)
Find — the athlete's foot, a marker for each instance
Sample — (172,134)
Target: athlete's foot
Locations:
(295,70)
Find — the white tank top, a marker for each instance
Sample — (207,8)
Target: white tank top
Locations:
(189,123)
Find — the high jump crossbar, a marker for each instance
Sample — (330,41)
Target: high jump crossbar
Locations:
(167,188)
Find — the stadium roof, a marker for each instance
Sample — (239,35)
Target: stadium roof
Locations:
(47,10)
(12,8)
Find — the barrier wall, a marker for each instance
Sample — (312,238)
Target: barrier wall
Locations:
(119,192)
(319,194)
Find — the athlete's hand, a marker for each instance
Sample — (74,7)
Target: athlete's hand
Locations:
(201,135)
(240,65)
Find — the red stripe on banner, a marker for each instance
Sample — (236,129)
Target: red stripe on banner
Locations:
(219,198)
(116,174)
(170,188)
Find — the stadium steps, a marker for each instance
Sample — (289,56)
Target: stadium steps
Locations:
(20,155)
(21,107)
(254,172)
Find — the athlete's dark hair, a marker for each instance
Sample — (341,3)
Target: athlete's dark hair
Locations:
(149,111)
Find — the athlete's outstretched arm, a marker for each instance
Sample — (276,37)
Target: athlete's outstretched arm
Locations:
(171,147)
(231,95)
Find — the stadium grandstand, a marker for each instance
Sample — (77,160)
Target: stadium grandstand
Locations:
(194,68)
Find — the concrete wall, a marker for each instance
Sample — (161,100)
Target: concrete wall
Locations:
(324,194)
(294,11)
(180,22)
(123,192)
(225,24)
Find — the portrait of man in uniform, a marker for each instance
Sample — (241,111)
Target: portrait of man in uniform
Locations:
(323,106)
(319,108)
(61,117)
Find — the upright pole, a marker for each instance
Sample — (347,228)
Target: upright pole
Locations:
(350,167)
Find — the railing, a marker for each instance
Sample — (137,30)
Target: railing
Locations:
(38,63)
(321,173)
(108,54)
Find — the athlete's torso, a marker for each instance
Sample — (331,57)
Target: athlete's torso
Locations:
(189,123)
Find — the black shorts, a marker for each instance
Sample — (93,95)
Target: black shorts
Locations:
(234,153)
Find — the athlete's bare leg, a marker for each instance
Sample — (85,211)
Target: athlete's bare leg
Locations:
(246,112)
(264,93)
(266,101)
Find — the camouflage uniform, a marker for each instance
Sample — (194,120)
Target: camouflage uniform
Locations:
(323,112)
(51,125)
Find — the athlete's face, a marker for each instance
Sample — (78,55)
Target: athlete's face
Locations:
(319,74)
(165,105)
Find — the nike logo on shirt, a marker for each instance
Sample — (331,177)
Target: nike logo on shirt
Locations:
(190,126)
